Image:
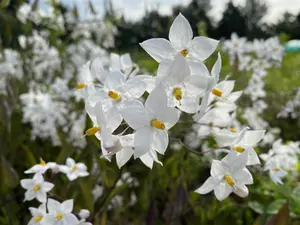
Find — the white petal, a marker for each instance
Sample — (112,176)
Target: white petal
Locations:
(97,70)
(123,156)
(238,162)
(222,191)
(135,114)
(241,191)
(70,162)
(114,79)
(226,87)
(135,88)
(41,196)
(29,195)
(48,220)
(160,141)
(180,33)
(153,155)
(53,206)
(38,178)
(189,104)
(169,116)
(218,169)
(126,63)
(224,139)
(252,157)
(197,67)
(252,137)
(147,160)
(142,140)
(67,206)
(208,186)
(203,47)
(115,61)
(96,97)
(157,100)
(198,81)
(243,176)
(27,183)
(234,96)
(215,71)
(148,80)
(46,186)
(70,219)
(179,70)
(34,211)
(158,48)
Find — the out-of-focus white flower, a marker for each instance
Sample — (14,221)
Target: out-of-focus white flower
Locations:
(74,170)
(275,171)
(227,177)
(37,214)
(59,213)
(36,188)
(42,167)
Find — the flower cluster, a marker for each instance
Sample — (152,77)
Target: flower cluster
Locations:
(37,188)
(183,85)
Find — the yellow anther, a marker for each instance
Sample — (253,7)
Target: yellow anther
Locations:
(217,92)
(239,149)
(157,124)
(42,162)
(114,95)
(229,180)
(276,169)
(184,52)
(59,216)
(38,218)
(80,86)
(177,92)
(74,168)
(92,131)
(232,130)
(36,188)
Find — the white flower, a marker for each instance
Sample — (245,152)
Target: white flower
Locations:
(85,81)
(181,41)
(36,188)
(183,88)
(84,214)
(244,141)
(151,122)
(275,171)
(227,177)
(37,214)
(74,170)
(59,213)
(42,167)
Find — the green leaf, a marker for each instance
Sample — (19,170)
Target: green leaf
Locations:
(87,195)
(275,206)
(4,3)
(256,207)
(8,174)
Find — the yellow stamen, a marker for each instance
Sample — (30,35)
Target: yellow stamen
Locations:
(74,168)
(38,218)
(42,162)
(80,86)
(232,130)
(217,92)
(229,180)
(36,188)
(59,216)
(114,95)
(177,92)
(157,124)
(184,52)
(92,131)
(239,149)
(276,169)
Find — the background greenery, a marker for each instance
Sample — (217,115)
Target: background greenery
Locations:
(165,194)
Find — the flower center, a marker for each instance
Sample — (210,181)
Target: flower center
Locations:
(92,131)
(232,130)
(184,52)
(177,92)
(80,86)
(217,92)
(239,149)
(74,168)
(229,180)
(114,95)
(59,216)
(157,124)
(42,162)
(36,188)
(38,218)
(276,169)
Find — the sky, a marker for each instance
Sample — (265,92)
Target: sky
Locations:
(135,9)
